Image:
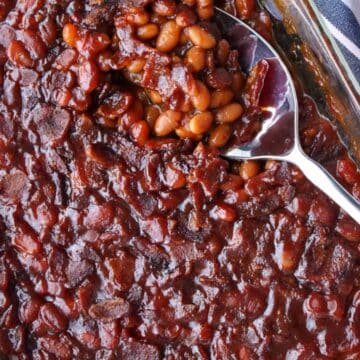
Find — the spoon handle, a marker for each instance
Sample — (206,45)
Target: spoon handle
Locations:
(326,183)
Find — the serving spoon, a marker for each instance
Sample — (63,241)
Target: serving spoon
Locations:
(279,137)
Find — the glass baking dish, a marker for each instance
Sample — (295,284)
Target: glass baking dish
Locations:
(317,62)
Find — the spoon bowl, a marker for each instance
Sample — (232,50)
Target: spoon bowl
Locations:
(278,138)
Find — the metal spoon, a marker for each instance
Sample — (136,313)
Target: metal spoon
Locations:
(279,136)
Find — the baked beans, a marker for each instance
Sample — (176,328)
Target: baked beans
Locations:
(125,234)
(229,113)
(167,122)
(196,58)
(202,99)
(169,36)
(220,135)
(201,37)
(201,123)
(147,32)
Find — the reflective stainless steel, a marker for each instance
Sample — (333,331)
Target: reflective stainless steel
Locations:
(279,137)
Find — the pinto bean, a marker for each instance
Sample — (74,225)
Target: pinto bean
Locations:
(201,37)
(168,37)
(200,123)
(167,122)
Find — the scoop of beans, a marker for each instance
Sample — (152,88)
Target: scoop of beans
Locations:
(184,34)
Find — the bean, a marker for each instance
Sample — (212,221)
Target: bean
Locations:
(205,3)
(229,113)
(48,30)
(131,117)
(164,7)
(221,98)
(205,9)
(201,37)
(158,19)
(167,122)
(169,36)
(18,55)
(220,136)
(200,123)
(92,43)
(29,309)
(53,318)
(140,132)
(70,34)
(249,169)
(202,99)
(138,16)
(66,59)
(196,58)
(184,133)
(155,97)
(245,8)
(34,44)
(186,17)
(136,66)
(147,32)
(233,183)
(151,114)
(184,38)
(287,259)
(88,76)
(206,13)
(241,196)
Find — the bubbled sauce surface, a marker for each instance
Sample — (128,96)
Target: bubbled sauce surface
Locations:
(121,240)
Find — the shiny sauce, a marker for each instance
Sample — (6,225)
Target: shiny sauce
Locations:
(123,232)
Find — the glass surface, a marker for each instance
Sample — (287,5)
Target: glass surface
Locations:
(304,40)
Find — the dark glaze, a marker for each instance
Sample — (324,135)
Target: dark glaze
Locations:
(113,250)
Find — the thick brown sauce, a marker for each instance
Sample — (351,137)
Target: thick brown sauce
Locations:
(117,244)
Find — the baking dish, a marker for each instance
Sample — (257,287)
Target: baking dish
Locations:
(171,258)
(318,63)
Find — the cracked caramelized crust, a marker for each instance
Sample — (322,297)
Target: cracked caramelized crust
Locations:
(123,233)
